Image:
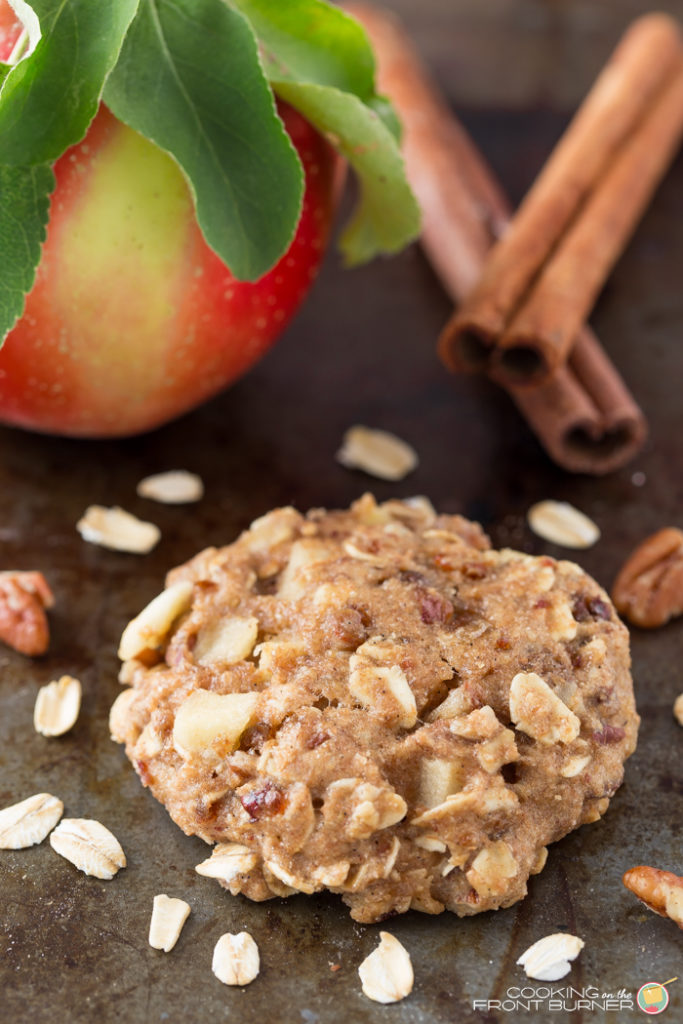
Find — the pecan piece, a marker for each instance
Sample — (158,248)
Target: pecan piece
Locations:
(24,596)
(661,891)
(586,608)
(433,607)
(649,589)
(609,734)
(264,802)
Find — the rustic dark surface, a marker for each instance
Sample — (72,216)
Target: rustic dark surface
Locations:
(74,948)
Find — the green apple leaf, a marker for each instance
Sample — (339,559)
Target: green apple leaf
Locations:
(49,98)
(387,215)
(24,210)
(311,41)
(320,60)
(190,79)
(384,110)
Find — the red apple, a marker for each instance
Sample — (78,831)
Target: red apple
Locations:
(133,319)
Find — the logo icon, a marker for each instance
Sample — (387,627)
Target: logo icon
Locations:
(653,997)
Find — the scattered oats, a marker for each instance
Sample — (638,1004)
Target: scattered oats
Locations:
(377,452)
(226,861)
(387,974)
(168,917)
(548,959)
(89,846)
(678,709)
(29,822)
(57,706)
(176,487)
(117,529)
(150,628)
(561,523)
(236,959)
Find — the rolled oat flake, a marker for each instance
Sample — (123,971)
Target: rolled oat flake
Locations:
(561,523)
(387,973)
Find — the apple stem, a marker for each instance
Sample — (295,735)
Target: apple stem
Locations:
(18,48)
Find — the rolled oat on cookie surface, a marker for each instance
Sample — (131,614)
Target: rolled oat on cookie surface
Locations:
(374,702)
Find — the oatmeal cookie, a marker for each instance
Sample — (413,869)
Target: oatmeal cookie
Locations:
(374,702)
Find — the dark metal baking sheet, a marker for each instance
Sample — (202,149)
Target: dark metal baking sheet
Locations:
(74,948)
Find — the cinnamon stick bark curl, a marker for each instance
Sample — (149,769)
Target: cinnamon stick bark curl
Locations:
(543,277)
(584,415)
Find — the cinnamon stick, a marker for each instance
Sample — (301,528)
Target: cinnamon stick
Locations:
(543,277)
(584,416)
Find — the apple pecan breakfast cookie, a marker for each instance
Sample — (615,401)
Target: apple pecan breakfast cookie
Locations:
(374,702)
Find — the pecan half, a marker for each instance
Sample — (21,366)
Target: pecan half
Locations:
(24,596)
(649,589)
(661,891)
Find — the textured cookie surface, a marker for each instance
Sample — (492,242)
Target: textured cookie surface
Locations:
(374,702)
